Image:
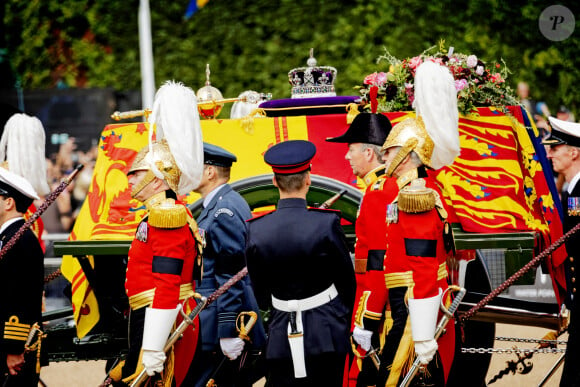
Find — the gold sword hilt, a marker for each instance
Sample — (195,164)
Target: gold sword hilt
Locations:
(244,327)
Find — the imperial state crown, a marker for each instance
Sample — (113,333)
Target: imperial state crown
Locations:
(313,80)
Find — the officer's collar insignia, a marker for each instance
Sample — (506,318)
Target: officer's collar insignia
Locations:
(373,175)
(141,234)
(573,206)
(226,211)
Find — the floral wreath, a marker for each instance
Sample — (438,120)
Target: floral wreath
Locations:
(476,84)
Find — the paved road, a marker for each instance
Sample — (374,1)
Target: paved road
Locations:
(91,373)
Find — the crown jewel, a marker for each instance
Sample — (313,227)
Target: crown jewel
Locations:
(312,81)
(207,97)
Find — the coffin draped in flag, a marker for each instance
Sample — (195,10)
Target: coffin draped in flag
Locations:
(497,184)
(501,182)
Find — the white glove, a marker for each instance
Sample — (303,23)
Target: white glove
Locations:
(232,347)
(158,324)
(153,361)
(425,350)
(362,337)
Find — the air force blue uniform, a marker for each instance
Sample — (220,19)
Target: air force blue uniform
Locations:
(223,228)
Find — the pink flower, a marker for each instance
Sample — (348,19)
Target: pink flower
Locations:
(439,61)
(415,62)
(479,70)
(381,78)
(471,61)
(376,79)
(496,78)
(460,84)
(370,79)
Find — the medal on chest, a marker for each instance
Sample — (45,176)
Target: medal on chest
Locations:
(392,213)
(573,206)
(202,236)
(141,234)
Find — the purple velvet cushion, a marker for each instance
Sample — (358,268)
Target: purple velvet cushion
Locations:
(306,102)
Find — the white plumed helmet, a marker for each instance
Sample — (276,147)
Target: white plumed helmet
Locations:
(22,150)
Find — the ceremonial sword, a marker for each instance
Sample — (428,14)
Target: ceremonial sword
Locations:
(243,329)
(447,315)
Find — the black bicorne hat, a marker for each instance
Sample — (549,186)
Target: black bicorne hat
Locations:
(368,128)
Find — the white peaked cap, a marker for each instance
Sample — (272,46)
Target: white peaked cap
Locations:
(23,146)
(176,119)
(9,181)
(563,132)
(436,102)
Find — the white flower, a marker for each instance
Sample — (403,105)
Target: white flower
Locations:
(479,70)
(471,61)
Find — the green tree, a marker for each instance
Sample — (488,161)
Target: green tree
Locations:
(253,44)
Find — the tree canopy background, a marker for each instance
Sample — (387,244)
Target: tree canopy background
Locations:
(253,44)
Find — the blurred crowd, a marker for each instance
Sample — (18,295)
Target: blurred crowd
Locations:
(59,218)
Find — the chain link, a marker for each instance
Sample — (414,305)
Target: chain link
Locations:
(538,341)
(503,351)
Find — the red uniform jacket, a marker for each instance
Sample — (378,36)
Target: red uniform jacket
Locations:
(160,274)
(369,252)
(416,258)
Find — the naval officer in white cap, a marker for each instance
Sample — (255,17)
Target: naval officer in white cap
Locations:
(564,152)
(21,283)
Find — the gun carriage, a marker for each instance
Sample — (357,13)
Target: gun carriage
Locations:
(488,259)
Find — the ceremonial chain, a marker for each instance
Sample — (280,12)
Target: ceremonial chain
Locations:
(504,351)
(538,341)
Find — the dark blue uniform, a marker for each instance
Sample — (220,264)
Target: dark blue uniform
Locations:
(223,228)
(294,253)
(571,207)
(568,133)
(21,286)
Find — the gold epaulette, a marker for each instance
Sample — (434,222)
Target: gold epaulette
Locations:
(415,197)
(167,214)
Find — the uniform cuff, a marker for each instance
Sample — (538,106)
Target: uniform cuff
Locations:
(227,324)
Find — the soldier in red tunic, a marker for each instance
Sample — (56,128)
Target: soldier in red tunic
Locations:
(417,244)
(165,254)
(364,137)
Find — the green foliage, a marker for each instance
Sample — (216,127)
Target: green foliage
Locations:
(253,44)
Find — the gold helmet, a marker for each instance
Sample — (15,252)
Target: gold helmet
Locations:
(176,156)
(434,134)
(411,136)
(159,155)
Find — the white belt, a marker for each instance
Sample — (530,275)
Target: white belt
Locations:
(296,339)
(306,303)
